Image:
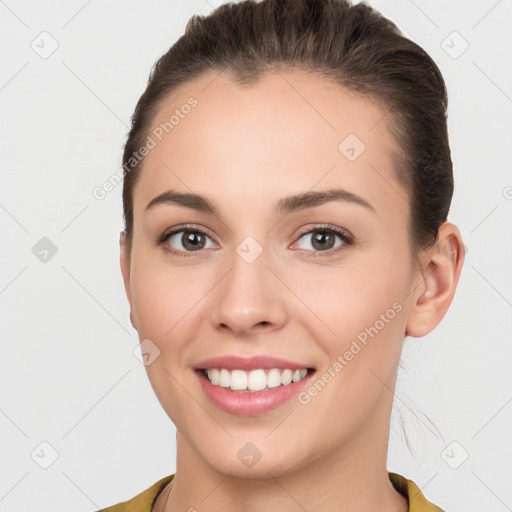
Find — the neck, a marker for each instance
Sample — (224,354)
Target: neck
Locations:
(346,480)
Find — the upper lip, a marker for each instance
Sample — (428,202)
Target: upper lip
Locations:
(232,362)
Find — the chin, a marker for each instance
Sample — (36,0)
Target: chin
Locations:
(247,461)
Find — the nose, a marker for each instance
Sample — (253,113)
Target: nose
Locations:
(249,297)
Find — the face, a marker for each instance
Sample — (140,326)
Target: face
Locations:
(324,284)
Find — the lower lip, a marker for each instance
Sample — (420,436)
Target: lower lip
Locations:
(253,403)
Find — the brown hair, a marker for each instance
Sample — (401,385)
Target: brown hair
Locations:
(353,45)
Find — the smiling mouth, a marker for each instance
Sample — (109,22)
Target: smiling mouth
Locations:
(260,379)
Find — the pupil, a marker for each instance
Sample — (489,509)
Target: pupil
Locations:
(192,240)
(321,238)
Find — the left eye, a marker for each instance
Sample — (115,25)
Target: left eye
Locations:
(323,239)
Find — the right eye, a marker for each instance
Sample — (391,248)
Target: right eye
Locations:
(181,241)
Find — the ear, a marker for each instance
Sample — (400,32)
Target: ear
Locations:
(124,260)
(440,272)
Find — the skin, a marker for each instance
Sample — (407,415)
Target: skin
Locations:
(246,148)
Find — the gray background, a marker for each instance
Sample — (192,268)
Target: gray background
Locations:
(68,374)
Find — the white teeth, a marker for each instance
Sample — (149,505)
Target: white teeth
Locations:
(224,379)
(286,376)
(255,380)
(273,378)
(296,376)
(238,380)
(213,375)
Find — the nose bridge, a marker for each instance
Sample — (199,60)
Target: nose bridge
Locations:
(248,295)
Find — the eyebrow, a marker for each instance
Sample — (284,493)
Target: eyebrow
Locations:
(281,207)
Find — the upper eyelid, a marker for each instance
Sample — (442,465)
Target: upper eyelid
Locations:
(179,229)
(326,227)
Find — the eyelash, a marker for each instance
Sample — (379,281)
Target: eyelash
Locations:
(348,240)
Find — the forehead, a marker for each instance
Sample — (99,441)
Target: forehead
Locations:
(288,133)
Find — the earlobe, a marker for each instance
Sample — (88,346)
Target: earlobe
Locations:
(434,294)
(124,260)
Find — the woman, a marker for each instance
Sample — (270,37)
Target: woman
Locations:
(287,185)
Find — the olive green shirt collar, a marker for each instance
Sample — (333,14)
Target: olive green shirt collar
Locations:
(144,501)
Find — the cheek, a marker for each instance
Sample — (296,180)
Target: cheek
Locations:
(164,297)
(355,292)
(152,305)
(360,310)
(165,304)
